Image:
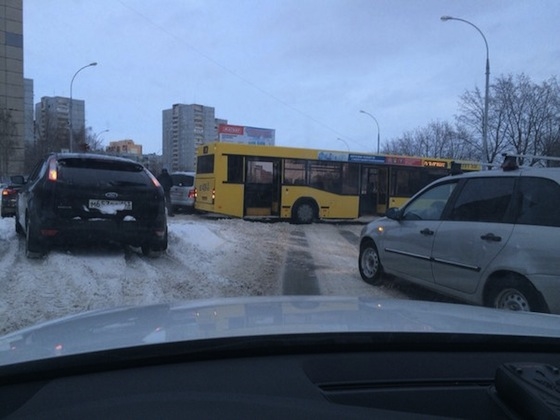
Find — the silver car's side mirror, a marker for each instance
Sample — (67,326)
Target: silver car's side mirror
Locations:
(394,213)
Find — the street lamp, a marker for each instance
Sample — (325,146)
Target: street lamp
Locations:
(344,141)
(70,107)
(485,116)
(374,119)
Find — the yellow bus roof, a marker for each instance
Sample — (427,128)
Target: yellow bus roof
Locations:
(329,155)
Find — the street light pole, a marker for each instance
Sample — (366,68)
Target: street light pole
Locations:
(486,89)
(344,141)
(96,136)
(70,106)
(378,132)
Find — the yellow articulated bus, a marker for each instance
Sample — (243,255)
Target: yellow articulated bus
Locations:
(303,185)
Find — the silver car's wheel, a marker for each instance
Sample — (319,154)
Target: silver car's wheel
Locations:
(513,300)
(369,263)
(515,293)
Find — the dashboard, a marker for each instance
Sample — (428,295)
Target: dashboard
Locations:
(325,376)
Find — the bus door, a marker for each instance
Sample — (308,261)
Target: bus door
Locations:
(368,190)
(262,187)
(382,190)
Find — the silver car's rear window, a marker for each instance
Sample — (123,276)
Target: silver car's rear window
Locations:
(182,180)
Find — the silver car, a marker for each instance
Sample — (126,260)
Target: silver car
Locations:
(183,191)
(490,238)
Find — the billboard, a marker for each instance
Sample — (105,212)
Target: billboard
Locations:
(228,133)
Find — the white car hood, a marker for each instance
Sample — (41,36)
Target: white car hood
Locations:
(259,316)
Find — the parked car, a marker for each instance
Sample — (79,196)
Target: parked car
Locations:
(182,191)
(489,238)
(9,196)
(2,186)
(86,197)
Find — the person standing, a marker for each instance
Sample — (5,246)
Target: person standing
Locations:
(166,182)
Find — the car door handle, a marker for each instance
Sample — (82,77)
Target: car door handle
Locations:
(427,232)
(491,237)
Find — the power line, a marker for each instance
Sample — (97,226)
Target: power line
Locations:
(231,72)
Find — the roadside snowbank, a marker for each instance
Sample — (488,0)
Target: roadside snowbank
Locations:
(206,258)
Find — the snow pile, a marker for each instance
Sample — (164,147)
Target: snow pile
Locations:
(206,258)
(7,229)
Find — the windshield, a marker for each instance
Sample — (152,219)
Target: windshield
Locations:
(299,124)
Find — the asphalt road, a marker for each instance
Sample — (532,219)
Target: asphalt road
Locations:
(322,259)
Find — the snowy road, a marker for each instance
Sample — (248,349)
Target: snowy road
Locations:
(206,258)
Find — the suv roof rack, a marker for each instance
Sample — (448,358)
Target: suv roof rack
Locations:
(535,157)
(509,163)
(511,159)
(455,168)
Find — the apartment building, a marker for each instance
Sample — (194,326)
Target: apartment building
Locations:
(185,127)
(12,126)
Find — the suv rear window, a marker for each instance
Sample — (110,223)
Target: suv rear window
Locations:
(94,172)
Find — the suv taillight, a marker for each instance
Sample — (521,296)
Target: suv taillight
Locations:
(53,171)
(154,179)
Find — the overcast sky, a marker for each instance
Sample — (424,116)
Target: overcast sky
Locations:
(302,67)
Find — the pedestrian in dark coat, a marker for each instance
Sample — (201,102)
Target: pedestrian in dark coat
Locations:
(166,182)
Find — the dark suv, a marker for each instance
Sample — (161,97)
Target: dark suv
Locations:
(71,198)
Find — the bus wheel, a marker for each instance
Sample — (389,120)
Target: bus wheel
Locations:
(303,213)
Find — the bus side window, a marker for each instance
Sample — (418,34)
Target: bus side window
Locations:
(235,169)
(294,172)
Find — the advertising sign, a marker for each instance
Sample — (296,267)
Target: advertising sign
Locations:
(247,135)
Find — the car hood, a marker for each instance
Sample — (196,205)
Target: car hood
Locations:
(261,316)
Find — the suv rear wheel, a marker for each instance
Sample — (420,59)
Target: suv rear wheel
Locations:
(155,249)
(34,247)
(19,229)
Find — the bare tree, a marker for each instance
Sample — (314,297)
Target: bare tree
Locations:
(471,107)
(547,131)
(523,116)
(48,137)
(93,141)
(437,139)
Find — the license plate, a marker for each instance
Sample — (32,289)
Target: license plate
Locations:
(110,206)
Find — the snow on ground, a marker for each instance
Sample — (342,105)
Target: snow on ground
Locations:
(206,258)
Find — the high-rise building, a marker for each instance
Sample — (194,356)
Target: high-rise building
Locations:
(185,127)
(11,88)
(28,115)
(52,123)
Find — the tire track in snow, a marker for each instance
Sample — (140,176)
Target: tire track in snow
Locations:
(299,270)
